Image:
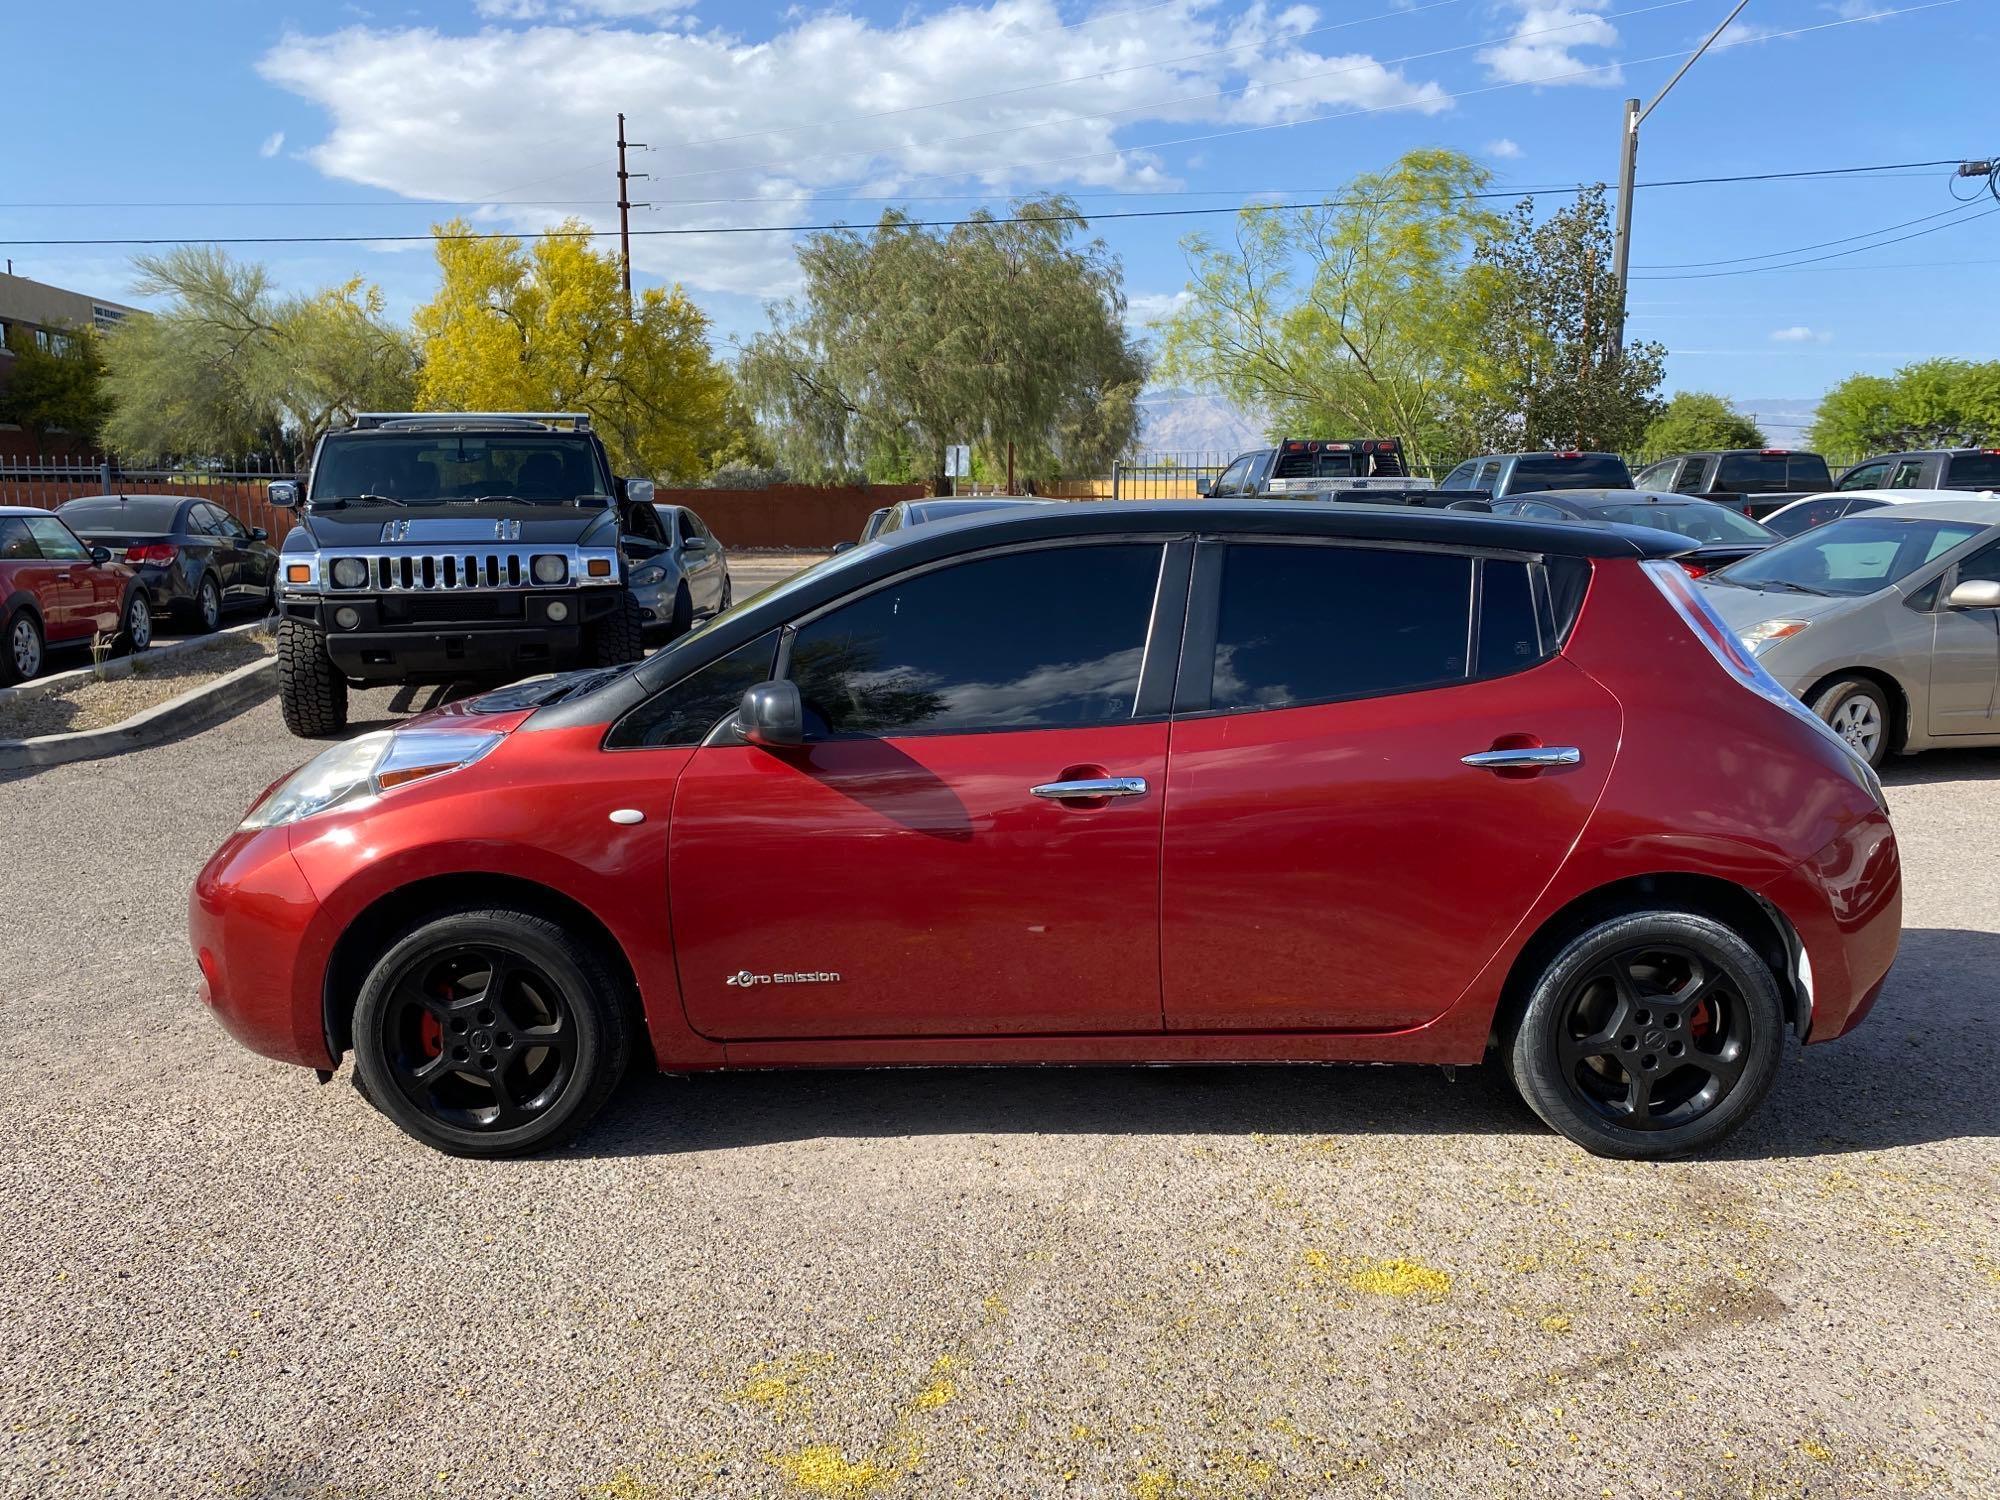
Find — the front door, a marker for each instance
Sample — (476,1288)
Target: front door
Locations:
(1331,861)
(928,864)
(1965,654)
(70,602)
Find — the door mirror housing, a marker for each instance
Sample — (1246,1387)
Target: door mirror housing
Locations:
(1974,593)
(693,544)
(283,493)
(259,534)
(772,715)
(639,491)
(100,555)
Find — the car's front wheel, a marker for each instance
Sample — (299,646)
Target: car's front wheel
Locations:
(1651,1034)
(619,637)
(490,1032)
(312,693)
(135,625)
(1858,710)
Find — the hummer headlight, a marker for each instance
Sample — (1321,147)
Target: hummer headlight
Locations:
(349,572)
(550,568)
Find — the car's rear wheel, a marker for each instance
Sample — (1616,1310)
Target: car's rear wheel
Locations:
(1649,1035)
(135,625)
(312,693)
(1858,711)
(490,1032)
(24,649)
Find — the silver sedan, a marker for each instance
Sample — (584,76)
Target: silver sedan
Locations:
(679,577)
(1885,624)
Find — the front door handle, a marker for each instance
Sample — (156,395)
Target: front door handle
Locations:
(1526,758)
(1092,789)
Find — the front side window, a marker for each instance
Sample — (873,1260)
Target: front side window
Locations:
(1865,477)
(1694,477)
(1983,564)
(1048,638)
(55,540)
(1231,482)
(1301,623)
(687,712)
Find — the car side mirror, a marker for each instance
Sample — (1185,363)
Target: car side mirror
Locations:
(772,715)
(259,534)
(100,555)
(639,491)
(1206,489)
(693,544)
(283,493)
(845,546)
(1975,593)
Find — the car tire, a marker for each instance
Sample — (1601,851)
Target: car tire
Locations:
(619,637)
(312,694)
(1648,1035)
(453,1062)
(135,625)
(1858,711)
(24,651)
(205,615)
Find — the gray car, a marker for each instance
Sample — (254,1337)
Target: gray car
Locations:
(1886,624)
(679,575)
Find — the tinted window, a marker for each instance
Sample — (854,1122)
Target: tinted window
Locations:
(696,525)
(544,467)
(685,713)
(1536,510)
(1317,466)
(227,525)
(1509,637)
(1587,471)
(54,539)
(1460,478)
(1983,564)
(1231,482)
(1806,471)
(1049,638)
(1694,477)
(1754,473)
(1865,477)
(140,513)
(1854,555)
(1305,624)
(1807,514)
(1973,471)
(15,543)
(1907,475)
(1488,473)
(1696,520)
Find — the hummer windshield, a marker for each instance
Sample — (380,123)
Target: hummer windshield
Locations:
(542,468)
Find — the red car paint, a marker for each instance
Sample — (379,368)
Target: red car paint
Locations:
(1317,883)
(73,599)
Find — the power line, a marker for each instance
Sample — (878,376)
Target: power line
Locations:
(1866,234)
(1076,218)
(1831,255)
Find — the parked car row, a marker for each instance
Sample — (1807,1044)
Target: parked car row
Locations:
(55,590)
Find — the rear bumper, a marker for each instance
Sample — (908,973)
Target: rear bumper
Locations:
(250,922)
(396,638)
(1846,904)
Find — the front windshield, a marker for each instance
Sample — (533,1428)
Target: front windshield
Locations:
(1701,523)
(544,468)
(1854,556)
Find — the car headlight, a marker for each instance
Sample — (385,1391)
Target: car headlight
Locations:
(349,572)
(367,766)
(549,568)
(1769,632)
(647,576)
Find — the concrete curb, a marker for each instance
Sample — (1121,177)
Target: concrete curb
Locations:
(120,666)
(195,709)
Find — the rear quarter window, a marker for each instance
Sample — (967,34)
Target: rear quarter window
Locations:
(1973,471)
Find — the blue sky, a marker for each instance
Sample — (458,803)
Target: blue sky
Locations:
(225,119)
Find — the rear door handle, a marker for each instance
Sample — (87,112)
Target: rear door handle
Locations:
(1093,788)
(1527,758)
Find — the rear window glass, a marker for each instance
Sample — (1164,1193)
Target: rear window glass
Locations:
(140,513)
(1807,471)
(1317,466)
(1587,471)
(1973,471)
(1754,473)
(1700,523)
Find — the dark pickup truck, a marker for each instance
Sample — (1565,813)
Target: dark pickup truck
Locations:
(1755,481)
(1927,469)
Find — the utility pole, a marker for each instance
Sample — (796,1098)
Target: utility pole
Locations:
(625,213)
(1628,163)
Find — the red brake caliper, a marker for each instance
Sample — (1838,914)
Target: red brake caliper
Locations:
(430,1035)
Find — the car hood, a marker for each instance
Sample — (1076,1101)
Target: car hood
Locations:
(458,524)
(1742,606)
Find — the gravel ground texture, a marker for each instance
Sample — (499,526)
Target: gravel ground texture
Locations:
(219,1278)
(88,704)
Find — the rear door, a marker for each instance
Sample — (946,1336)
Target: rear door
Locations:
(1331,860)
(969,841)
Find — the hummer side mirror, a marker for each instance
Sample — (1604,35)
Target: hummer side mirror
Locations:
(772,715)
(282,493)
(639,491)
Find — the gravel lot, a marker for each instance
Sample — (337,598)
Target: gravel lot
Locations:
(218,1278)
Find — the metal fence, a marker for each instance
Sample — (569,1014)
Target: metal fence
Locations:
(1164,475)
(238,486)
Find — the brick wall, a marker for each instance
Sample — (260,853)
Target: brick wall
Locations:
(243,499)
(792,516)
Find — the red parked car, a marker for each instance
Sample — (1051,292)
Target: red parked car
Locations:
(1209,782)
(56,591)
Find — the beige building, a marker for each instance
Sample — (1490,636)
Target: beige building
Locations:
(48,314)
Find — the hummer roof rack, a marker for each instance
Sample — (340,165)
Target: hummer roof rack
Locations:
(573,421)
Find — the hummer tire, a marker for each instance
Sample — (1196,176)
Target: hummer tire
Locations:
(312,694)
(618,637)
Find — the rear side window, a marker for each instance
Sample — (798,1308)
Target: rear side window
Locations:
(685,713)
(1806,471)
(1806,515)
(1909,475)
(1048,638)
(15,543)
(1973,471)
(1301,623)
(1510,632)
(1693,478)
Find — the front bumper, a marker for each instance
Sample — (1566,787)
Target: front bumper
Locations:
(445,637)
(251,923)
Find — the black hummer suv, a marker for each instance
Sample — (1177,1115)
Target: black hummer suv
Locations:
(446,547)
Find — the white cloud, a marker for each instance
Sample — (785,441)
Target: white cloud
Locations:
(1545,46)
(519,114)
(1798,333)
(273,144)
(1502,149)
(1859,10)
(1142,309)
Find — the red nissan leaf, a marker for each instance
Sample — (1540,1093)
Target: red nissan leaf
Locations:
(1209,782)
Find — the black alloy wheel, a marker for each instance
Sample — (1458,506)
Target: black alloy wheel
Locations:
(489,1033)
(1650,1035)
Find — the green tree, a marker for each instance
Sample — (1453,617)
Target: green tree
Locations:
(1935,403)
(58,389)
(230,365)
(545,327)
(1695,420)
(1546,376)
(1348,319)
(904,342)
